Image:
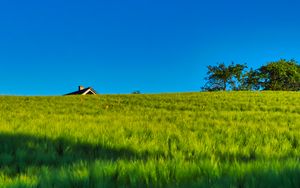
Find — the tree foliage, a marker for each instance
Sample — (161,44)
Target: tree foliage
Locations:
(222,77)
(251,80)
(280,75)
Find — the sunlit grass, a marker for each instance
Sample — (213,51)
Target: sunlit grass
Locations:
(223,139)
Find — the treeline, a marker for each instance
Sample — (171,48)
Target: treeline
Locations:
(283,75)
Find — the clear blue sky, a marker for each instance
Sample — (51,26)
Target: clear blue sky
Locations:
(50,47)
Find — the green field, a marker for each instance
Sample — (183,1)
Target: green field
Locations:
(222,139)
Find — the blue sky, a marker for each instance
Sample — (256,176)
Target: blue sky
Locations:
(118,46)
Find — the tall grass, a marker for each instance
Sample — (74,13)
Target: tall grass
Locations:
(224,139)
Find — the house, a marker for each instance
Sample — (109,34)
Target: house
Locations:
(83,91)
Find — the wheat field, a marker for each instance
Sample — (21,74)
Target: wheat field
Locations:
(221,139)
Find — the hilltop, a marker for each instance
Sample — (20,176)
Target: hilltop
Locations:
(221,139)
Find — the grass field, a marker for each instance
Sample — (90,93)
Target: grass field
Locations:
(223,139)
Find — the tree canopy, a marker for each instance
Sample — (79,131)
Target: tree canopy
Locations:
(279,75)
(222,77)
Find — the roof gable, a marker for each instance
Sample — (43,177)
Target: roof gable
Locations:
(86,91)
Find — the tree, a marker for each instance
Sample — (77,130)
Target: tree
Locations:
(221,77)
(251,80)
(238,76)
(136,92)
(280,75)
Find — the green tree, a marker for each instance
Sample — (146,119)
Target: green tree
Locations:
(222,77)
(280,75)
(136,92)
(238,72)
(251,80)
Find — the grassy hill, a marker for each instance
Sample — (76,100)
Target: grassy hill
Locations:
(224,139)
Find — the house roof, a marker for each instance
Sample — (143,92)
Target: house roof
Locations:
(84,91)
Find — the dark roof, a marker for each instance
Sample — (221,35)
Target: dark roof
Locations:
(81,92)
